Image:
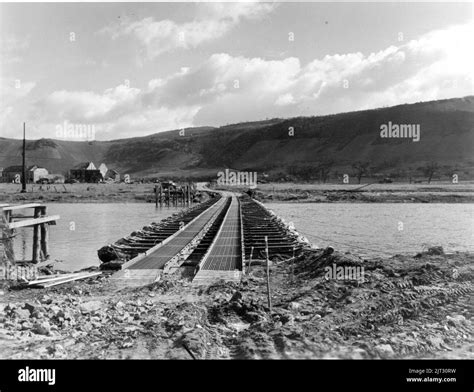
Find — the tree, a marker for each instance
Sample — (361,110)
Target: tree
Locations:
(361,169)
(324,170)
(430,170)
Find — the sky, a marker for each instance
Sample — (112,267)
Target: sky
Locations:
(133,69)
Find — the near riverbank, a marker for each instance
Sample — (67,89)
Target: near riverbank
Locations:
(403,307)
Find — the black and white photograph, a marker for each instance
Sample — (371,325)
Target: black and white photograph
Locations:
(237,181)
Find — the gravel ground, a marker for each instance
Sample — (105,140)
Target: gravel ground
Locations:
(404,307)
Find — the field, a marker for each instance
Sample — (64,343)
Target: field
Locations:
(441,192)
(436,192)
(76,193)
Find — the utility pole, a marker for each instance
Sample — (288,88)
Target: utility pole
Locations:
(23,178)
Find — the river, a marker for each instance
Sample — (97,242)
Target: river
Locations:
(365,229)
(377,229)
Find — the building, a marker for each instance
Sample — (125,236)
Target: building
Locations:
(85,172)
(35,173)
(12,174)
(103,170)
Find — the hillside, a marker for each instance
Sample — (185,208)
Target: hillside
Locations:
(446,137)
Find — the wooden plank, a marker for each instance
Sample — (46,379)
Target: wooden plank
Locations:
(44,278)
(19,207)
(33,222)
(60,277)
(69,280)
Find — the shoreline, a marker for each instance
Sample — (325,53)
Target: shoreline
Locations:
(272,192)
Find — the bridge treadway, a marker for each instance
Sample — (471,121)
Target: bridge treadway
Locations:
(225,253)
(158,258)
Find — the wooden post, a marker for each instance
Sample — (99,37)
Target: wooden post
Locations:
(23,174)
(36,240)
(44,240)
(156,196)
(44,235)
(161,191)
(268,276)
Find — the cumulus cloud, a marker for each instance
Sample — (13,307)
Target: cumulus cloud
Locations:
(225,88)
(213,21)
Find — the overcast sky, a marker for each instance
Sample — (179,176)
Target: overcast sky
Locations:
(136,69)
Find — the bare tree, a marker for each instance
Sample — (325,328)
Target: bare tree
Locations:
(361,169)
(324,170)
(430,170)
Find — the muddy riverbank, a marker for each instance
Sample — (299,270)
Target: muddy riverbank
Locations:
(404,307)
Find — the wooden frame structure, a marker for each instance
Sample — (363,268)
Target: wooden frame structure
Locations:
(39,222)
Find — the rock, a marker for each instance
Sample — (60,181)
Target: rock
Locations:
(91,306)
(30,307)
(46,300)
(59,351)
(119,305)
(384,350)
(22,313)
(42,328)
(236,296)
(26,325)
(64,314)
(456,320)
(436,341)
(37,314)
(55,309)
(295,305)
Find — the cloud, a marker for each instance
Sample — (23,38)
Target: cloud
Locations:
(213,21)
(12,93)
(225,89)
(12,48)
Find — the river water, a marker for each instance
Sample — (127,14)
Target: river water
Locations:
(86,227)
(365,229)
(384,228)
